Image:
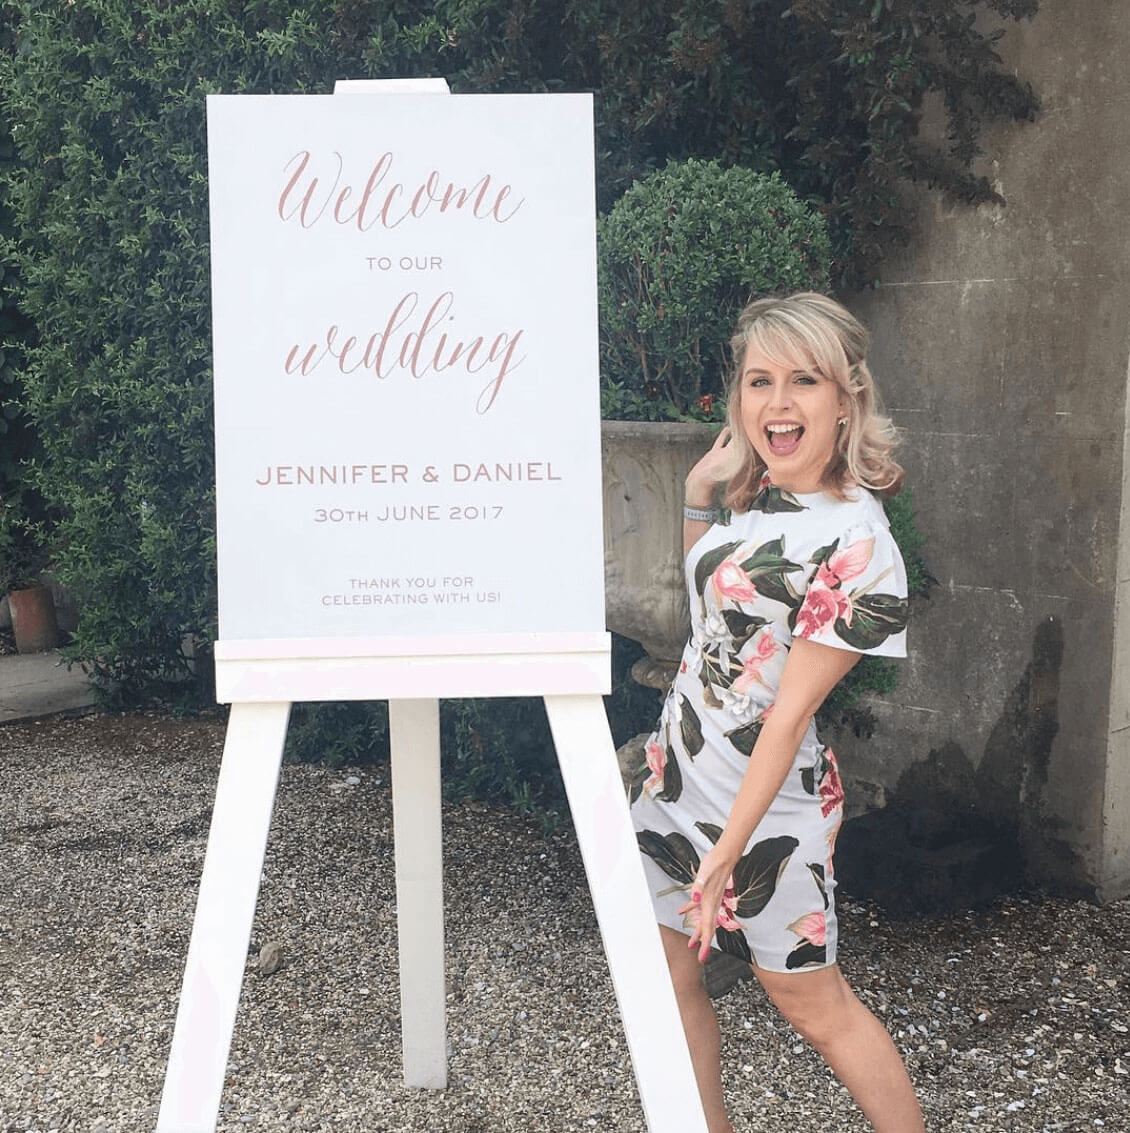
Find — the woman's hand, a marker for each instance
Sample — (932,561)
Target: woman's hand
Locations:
(712,902)
(714,467)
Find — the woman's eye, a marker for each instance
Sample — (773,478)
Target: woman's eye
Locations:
(755,382)
(806,379)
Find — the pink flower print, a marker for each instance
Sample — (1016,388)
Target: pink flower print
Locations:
(826,577)
(852,561)
(730,581)
(831,788)
(767,647)
(812,927)
(828,871)
(822,605)
(692,911)
(657,762)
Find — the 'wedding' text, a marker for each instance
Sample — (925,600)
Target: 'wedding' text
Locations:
(416,345)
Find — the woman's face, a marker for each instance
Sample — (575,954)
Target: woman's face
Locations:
(790,416)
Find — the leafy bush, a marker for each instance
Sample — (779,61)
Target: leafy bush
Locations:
(679,255)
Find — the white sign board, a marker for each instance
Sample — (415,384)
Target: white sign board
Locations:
(406,390)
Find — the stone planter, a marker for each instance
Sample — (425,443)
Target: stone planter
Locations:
(644,466)
(33,619)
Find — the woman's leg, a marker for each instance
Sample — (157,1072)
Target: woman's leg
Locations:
(824,1010)
(701,1027)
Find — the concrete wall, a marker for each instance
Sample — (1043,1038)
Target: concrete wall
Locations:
(1001,343)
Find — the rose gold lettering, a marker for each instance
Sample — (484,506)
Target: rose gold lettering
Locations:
(424,195)
(415,340)
(417,345)
(303,208)
(376,176)
(496,212)
(308,360)
(395,321)
(490,390)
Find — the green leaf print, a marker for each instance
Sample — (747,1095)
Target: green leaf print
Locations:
(742,626)
(708,672)
(758,871)
(635,787)
(823,554)
(672,779)
(710,562)
(768,553)
(768,570)
(780,589)
(745,737)
(817,871)
(874,618)
(812,776)
(769,559)
(673,853)
(806,953)
(773,499)
(733,942)
(690,727)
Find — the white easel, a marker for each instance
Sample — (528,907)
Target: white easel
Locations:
(261,678)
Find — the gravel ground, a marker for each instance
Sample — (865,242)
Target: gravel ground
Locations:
(1011,1018)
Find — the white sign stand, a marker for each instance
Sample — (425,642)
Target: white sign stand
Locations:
(260,679)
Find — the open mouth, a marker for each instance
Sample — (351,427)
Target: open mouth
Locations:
(784,439)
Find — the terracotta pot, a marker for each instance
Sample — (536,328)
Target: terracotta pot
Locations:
(33,619)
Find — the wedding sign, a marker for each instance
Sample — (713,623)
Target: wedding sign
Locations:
(406,396)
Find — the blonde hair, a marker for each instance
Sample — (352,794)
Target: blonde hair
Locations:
(808,329)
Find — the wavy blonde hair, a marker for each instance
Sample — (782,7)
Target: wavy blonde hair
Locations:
(811,330)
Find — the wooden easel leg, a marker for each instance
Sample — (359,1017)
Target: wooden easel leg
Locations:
(418,837)
(225,908)
(627,921)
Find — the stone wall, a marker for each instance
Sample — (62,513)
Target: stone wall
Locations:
(1001,343)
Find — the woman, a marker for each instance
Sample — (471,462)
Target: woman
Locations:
(738,814)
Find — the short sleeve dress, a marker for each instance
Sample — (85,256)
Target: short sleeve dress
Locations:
(793,565)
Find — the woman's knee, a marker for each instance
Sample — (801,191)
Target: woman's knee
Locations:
(817,1005)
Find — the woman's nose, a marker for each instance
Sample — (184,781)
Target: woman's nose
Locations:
(782,395)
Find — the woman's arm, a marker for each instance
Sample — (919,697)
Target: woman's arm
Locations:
(811,672)
(713,468)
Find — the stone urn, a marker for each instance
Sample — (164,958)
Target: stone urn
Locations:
(644,466)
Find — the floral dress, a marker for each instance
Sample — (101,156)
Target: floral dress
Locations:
(794,565)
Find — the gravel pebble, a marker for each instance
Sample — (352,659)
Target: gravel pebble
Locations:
(1011,1018)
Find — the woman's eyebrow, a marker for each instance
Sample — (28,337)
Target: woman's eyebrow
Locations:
(767,374)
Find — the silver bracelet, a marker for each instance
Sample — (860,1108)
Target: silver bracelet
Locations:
(702,514)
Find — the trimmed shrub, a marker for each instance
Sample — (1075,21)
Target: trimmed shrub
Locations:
(679,255)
